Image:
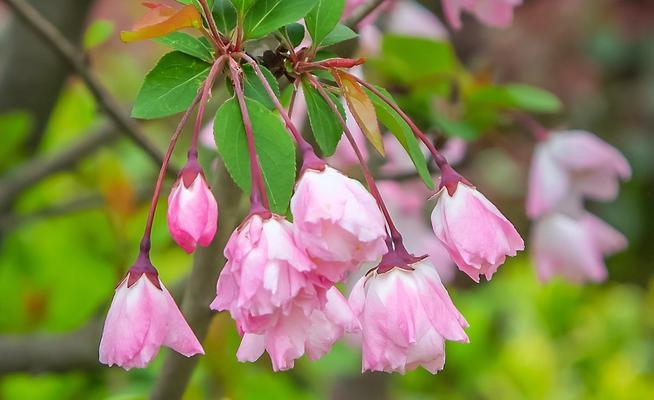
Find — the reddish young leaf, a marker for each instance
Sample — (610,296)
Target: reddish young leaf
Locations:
(161,20)
(361,107)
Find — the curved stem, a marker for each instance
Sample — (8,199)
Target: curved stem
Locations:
(395,235)
(532,125)
(258,197)
(206,90)
(438,157)
(145,240)
(304,146)
(212,25)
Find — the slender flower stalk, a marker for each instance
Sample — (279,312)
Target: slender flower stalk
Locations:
(145,240)
(215,34)
(311,160)
(539,132)
(259,197)
(395,236)
(206,91)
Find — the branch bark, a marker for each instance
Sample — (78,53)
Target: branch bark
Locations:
(201,287)
(69,53)
(361,13)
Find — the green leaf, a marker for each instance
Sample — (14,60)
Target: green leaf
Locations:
(413,60)
(273,144)
(255,90)
(209,2)
(295,33)
(187,44)
(171,86)
(339,34)
(97,33)
(269,15)
(323,18)
(401,130)
(325,125)
(225,16)
(452,128)
(242,6)
(531,98)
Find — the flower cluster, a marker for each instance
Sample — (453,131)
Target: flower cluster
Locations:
(567,168)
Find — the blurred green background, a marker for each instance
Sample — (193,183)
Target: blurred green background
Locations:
(67,240)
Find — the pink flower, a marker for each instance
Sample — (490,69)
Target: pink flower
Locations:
(570,163)
(298,333)
(265,275)
(405,316)
(142,318)
(495,13)
(337,222)
(574,247)
(476,234)
(192,211)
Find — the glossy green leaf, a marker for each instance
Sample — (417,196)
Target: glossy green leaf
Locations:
(323,18)
(339,34)
(225,16)
(274,147)
(326,128)
(242,6)
(267,16)
(255,90)
(187,44)
(412,60)
(98,33)
(401,130)
(523,97)
(295,33)
(171,86)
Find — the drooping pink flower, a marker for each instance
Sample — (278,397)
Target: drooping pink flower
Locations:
(573,163)
(143,317)
(574,248)
(475,233)
(192,211)
(495,13)
(297,333)
(405,317)
(265,275)
(338,222)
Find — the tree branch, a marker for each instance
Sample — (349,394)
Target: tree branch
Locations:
(69,53)
(35,170)
(361,13)
(201,287)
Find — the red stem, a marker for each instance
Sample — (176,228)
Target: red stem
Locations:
(438,157)
(212,25)
(539,131)
(395,235)
(258,197)
(206,90)
(145,240)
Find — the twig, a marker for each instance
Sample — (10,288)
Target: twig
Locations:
(69,53)
(362,12)
(201,288)
(35,170)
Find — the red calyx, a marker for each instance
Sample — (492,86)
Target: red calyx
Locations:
(142,266)
(450,179)
(190,171)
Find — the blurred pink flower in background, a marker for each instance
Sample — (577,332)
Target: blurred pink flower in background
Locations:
(574,248)
(573,163)
(141,319)
(406,316)
(495,13)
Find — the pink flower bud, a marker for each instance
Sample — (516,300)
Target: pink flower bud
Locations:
(495,13)
(143,317)
(476,234)
(297,333)
(573,163)
(192,212)
(337,222)
(405,316)
(265,275)
(574,248)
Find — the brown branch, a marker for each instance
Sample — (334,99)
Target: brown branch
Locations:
(46,352)
(201,287)
(361,13)
(69,53)
(35,170)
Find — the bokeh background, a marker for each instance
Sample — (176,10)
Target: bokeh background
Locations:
(66,240)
